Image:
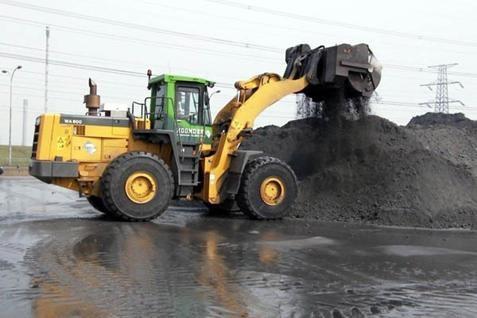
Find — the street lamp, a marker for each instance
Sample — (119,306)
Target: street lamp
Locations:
(10,115)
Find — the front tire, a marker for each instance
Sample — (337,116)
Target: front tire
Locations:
(97,203)
(268,189)
(137,186)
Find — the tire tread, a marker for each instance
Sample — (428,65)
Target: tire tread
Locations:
(243,197)
(106,181)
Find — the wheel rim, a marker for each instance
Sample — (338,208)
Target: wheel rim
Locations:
(272,191)
(141,187)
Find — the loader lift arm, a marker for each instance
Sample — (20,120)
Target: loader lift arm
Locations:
(316,73)
(238,116)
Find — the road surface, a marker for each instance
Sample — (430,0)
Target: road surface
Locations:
(60,258)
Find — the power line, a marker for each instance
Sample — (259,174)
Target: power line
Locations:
(83,79)
(24,47)
(426,70)
(409,68)
(391,66)
(40,96)
(288,27)
(416,105)
(74,65)
(123,38)
(397,67)
(221,85)
(88,67)
(354,27)
(248,45)
(275,26)
(117,97)
(201,13)
(135,26)
(91,67)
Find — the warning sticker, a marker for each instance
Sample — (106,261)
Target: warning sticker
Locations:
(61,142)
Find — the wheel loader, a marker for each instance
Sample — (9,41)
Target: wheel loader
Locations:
(130,165)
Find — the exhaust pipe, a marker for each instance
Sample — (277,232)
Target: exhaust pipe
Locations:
(92,100)
(353,68)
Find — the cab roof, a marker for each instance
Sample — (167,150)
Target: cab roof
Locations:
(167,78)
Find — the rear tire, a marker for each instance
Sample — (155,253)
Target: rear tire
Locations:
(137,186)
(268,189)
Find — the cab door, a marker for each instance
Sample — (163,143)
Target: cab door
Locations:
(192,113)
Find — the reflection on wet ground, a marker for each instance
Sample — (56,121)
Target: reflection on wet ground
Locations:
(58,258)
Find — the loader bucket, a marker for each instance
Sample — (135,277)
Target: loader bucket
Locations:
(353,68)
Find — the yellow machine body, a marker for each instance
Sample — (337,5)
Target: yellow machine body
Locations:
(91,147)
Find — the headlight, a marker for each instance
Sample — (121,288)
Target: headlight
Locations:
(37,121)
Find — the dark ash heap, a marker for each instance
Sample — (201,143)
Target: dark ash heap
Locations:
(371,170)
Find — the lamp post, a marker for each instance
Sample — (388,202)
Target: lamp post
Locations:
(10,113)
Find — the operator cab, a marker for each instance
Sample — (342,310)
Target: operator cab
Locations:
(181,104)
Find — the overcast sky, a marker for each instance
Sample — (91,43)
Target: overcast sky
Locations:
(225,41)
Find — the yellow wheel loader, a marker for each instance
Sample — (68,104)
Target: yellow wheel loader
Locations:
(130,165)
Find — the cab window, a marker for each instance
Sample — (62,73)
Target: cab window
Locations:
(187,104)
(157,100)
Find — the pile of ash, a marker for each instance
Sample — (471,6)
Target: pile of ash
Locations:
(451,136)
(440,119)
(371,170)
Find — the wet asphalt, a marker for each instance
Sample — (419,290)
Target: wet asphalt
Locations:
(60,258)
